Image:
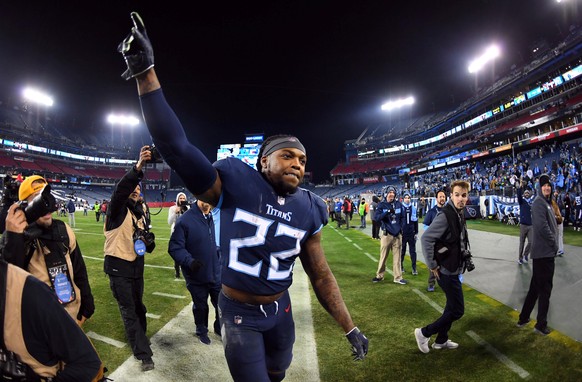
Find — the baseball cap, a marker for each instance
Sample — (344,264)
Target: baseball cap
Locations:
(26,188)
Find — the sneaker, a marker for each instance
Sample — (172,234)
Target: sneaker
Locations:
(543,331)
(414,273)
(403,271)
(376,279)
(147,364)
(447,345)
(560,253)
(520,262)
(401,282)
(521,324)
(430,288)
(204,339)
(525,259)
(421,340)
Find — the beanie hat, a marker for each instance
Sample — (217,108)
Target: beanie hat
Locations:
(391,189)
(544,179)
(26,188)
(406,194)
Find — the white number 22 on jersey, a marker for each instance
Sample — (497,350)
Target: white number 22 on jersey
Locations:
(259,238)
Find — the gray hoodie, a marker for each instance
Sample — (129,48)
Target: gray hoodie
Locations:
(545,229)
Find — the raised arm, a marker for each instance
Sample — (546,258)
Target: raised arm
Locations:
(164,126)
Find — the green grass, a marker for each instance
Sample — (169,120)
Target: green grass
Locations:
(107,319)
(387,313)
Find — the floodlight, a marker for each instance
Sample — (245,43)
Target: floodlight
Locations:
(123,120)
(37,96)
(397,103)
(490,54)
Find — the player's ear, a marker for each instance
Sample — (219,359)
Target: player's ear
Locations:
(264,161)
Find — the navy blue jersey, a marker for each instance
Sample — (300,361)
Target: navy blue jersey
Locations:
(261,233)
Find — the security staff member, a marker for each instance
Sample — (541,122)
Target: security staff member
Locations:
(193,246)
(52,254)
(39,338)
(125,245)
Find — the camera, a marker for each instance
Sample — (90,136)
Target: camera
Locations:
(467,258)
(156,156)
(41,205)
(148,238)
(183,206)
(11,369)
(10,190)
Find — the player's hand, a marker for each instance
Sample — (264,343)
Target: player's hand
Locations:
(359,343)
(136,49)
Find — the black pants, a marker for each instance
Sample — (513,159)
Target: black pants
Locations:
(129,295)
(200,307)
(454,308)
(540,290)
(376,229)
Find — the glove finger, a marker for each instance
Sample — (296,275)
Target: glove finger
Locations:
(125,45)
(137,22)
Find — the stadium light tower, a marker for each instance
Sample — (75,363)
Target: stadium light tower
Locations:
(37,97)
(120,121)
(489,55)
(397,104)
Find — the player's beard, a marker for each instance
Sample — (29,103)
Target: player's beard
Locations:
(279,185)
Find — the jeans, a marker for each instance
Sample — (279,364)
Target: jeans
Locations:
(454,308)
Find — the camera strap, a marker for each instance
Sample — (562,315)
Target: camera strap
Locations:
(58,244)
(139,245)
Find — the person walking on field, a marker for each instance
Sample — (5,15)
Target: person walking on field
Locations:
(266,222)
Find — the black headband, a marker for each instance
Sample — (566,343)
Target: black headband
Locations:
(283,143)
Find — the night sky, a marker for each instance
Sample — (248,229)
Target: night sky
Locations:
(316,69)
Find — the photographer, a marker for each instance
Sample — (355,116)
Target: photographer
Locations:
(47,248)
(445,245)
(127,238)
(173,214)
(39,339)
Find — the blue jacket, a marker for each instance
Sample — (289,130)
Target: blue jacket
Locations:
(71,206)
(430,215)
(410,225)
(194,238)
(391,215)
(524,208)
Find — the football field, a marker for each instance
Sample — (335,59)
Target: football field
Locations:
(491,347)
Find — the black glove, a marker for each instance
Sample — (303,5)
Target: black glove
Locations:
(195,265)
(136,49)
(359,343)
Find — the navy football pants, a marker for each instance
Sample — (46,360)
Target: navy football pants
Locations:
(257,338)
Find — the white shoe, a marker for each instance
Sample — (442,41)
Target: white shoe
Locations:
(421,340)
(447,345)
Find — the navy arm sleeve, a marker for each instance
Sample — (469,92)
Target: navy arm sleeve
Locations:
(169,137)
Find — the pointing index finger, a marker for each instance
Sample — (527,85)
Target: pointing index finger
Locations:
(137,22)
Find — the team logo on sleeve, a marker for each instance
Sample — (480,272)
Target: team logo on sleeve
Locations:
(238,320)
